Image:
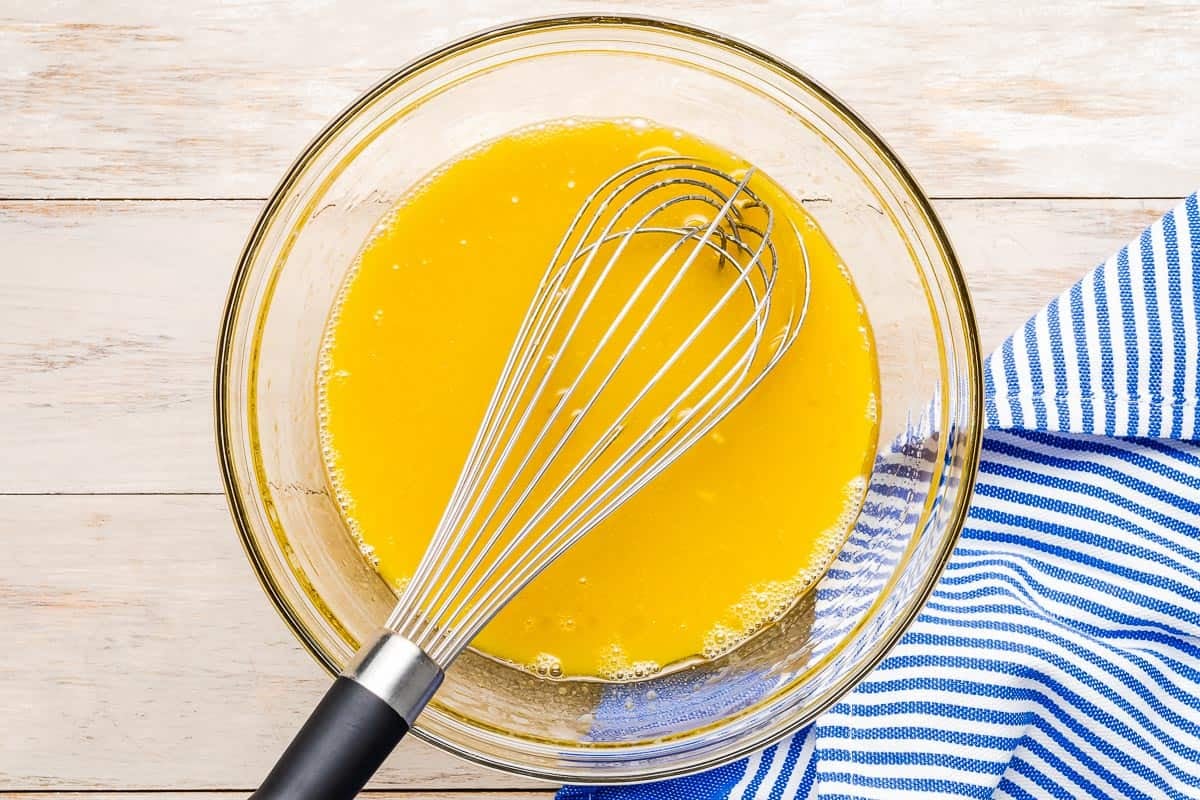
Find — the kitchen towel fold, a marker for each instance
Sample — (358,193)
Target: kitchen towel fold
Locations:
(1059,655)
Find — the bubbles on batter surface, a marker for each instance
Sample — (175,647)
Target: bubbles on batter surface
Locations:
(720,640)
(766,603)
(328,376)
(546,665)
(641,669)
(367,550)
(855,492)
(615,665)
(326,373)
(761,605)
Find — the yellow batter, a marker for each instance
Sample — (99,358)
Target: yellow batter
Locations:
(717,546)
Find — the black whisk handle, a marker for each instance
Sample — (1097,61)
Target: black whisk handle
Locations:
(358,722)
(346,738)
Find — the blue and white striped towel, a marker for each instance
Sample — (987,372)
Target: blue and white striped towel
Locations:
(1059,655)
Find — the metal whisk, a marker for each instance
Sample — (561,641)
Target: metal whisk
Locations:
(602,389)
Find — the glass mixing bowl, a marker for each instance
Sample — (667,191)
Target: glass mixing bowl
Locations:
(748,102)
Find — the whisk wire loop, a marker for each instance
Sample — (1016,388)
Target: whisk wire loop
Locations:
(518,505)
(578,417)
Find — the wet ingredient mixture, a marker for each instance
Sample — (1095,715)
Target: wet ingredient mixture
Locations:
(716,547)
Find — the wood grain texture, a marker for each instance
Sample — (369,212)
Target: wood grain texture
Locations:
(108,99)
(111,313)
(140,653)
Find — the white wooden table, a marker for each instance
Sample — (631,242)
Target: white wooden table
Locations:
(137,141)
